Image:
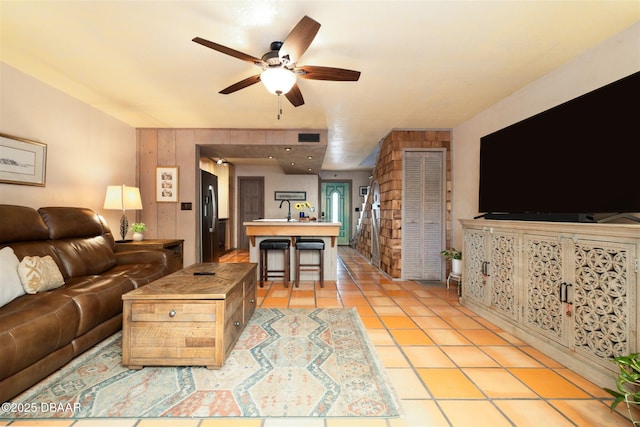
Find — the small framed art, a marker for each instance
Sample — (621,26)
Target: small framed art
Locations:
(290,195)
(22,161)
(167,184)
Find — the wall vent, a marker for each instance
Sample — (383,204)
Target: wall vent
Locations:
(308,137)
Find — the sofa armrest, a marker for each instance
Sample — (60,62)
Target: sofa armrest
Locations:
(160,256)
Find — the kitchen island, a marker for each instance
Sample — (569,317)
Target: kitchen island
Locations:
(262,229)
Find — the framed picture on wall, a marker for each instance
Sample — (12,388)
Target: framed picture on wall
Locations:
(290,195)
(22,161)
(167,184)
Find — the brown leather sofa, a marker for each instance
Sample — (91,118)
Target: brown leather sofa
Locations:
(41,332)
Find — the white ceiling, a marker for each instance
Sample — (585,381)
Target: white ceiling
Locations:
(424,64)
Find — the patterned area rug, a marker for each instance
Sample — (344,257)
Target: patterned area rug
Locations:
(286,363)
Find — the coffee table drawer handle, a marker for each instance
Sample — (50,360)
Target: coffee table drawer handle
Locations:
(172,313)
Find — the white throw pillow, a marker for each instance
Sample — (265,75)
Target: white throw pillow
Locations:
(39,274)
(10,285)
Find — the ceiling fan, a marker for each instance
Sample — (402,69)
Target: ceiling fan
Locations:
(279,65)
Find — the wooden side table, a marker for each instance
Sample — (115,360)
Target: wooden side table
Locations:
(173,245)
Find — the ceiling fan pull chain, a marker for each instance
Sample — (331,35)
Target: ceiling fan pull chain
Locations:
(279,106)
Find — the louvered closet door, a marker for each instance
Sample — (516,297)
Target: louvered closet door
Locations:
(423,215)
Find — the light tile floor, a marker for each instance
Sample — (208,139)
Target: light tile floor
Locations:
(449,366)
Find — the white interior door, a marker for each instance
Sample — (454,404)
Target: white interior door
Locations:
(423,217)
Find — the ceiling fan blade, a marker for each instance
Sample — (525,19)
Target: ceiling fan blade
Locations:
(295,96)
(298,40)
(228,51)
(241,84)
(313,72)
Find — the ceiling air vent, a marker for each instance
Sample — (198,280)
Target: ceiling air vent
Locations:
(308,137)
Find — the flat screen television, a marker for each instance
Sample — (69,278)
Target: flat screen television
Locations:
(574,160)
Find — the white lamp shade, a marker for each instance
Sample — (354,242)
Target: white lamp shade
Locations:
(278,80)
(122,197)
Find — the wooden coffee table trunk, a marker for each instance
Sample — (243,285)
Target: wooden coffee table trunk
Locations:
(184,319)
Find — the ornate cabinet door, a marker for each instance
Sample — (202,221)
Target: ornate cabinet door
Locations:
(543,279)
(570,290)
(603,299)
(474,256)
(491,259)
(503,270)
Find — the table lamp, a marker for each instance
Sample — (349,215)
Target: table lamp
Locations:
(122,197)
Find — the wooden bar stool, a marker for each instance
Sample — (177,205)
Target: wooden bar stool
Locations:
(270,245)
(310,245)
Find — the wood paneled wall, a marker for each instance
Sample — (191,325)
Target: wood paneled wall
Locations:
(168,147)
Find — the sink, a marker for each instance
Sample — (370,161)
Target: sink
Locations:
(274,220)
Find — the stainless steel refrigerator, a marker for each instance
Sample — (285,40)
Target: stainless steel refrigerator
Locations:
(210,245)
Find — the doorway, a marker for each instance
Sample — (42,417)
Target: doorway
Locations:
(250,205)
(335,205)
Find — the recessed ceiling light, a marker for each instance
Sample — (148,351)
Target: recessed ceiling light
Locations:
(293,164)
(309,157)
(270,156)
(287,149)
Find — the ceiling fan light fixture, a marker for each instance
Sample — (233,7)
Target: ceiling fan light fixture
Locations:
(278,80)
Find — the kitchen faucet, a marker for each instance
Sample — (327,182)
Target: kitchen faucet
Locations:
(289,213)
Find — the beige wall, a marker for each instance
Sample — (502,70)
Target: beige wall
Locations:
(86,149)
(612,60)
(276,180)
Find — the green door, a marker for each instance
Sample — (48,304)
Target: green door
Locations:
(336,202)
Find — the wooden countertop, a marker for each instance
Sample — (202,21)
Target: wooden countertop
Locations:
(292,229)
